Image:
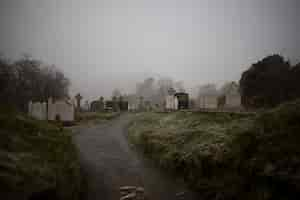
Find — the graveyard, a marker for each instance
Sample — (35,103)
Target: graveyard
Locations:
(187,153)
(149,100)
(211,148)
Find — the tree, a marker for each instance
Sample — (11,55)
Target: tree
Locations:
(7,82)
(30,80)
(265,83)
(294,85)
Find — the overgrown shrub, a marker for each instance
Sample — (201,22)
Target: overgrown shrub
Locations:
(36,158)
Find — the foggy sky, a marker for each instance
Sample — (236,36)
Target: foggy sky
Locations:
(107,44)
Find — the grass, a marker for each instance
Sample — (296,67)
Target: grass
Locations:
(35,157)
(226,156)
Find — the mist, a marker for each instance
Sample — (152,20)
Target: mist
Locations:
(102,45)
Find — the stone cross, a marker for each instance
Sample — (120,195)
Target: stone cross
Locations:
(78,98)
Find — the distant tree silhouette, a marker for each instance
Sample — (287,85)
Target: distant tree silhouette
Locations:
(266,83)
(7,81)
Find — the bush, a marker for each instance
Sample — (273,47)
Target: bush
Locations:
(269,152)
(36,158)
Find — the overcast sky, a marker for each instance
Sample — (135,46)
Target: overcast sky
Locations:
(107,44)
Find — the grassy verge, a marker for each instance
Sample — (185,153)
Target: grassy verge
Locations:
(37,160)
(227,156)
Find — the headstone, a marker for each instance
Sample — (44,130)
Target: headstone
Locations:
(171,102)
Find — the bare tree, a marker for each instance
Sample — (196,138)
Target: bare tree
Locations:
(28,79)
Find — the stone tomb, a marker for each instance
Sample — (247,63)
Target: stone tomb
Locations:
(62,110)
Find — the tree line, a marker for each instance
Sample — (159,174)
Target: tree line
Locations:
(27,79)
(265,84)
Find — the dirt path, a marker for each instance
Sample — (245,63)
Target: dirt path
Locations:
(109,163)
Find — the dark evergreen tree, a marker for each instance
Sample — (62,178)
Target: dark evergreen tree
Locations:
(266,83)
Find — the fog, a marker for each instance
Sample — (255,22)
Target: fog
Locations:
(106,44)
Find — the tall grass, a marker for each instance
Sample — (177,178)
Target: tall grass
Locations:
(35,157)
